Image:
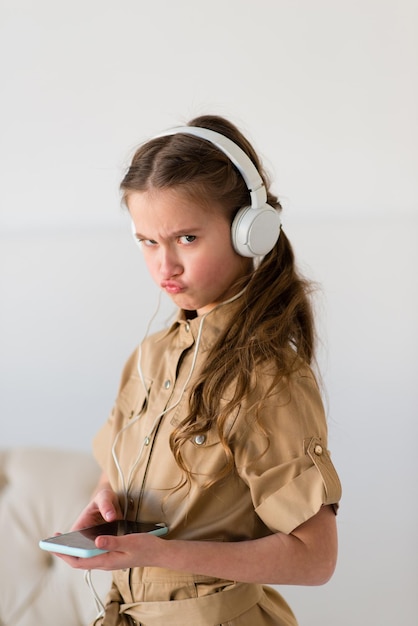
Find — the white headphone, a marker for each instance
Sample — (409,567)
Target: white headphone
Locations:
(256,228)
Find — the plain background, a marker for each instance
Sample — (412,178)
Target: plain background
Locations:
(327,91)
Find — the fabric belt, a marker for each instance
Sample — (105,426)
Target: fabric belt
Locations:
(217,608)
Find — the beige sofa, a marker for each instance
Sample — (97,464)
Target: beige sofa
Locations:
(41,492)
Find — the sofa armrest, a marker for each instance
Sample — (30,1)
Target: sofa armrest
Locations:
(42,491)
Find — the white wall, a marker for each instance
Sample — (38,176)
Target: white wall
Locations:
(328,93)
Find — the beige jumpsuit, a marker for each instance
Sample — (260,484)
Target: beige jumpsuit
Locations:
(283,476)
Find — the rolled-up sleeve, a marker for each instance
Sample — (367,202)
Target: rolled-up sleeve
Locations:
(284,458)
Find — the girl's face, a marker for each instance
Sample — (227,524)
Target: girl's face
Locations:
(187,247)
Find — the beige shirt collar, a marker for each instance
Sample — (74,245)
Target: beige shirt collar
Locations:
(213,324)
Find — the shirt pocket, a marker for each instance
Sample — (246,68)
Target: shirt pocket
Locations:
(132,399)
(205,456)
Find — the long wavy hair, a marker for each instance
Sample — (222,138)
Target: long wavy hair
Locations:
(275,319)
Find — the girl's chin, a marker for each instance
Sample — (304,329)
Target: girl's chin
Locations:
(188,304)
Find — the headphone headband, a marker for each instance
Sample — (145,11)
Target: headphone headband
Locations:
(242,161)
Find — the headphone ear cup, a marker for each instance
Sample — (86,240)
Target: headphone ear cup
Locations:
(254,232)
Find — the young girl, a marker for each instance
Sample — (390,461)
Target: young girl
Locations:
(218,430)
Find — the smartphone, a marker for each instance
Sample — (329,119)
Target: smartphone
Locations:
(81,542)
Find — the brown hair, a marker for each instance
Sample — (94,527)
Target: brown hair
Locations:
(275,315)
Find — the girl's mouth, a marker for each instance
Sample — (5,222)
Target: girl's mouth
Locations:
(172,287)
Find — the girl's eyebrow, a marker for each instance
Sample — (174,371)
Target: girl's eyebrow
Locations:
(175,233)
(186,231)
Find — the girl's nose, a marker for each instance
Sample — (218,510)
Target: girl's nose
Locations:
(169,264)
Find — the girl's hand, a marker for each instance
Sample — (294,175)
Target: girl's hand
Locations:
(104,507)
(125,551)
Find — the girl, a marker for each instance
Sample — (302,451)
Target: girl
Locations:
(218,430)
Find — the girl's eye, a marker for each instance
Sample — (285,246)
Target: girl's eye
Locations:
(186,239)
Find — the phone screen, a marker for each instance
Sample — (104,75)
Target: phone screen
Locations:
(81,542)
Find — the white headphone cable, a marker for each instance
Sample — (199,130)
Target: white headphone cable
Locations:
(141,375)
(154,315)
(99,604)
